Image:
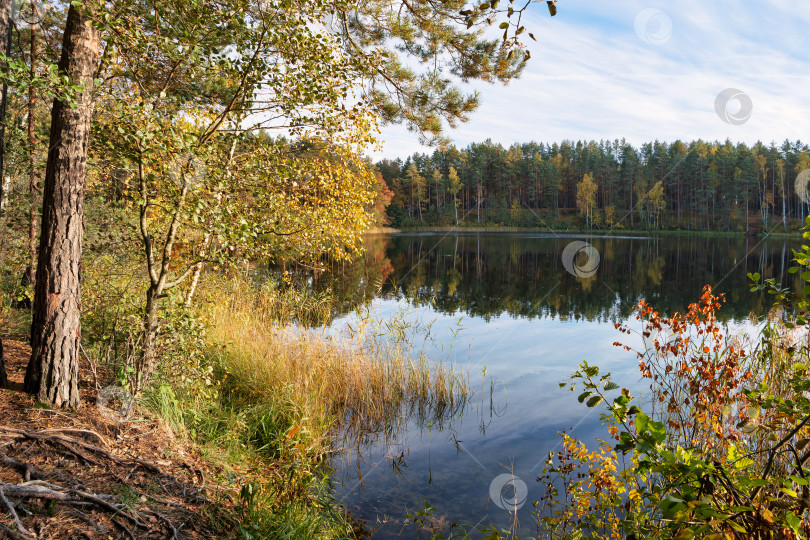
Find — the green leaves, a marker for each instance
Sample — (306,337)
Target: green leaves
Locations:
(594,401)
(642,422)
(793,521)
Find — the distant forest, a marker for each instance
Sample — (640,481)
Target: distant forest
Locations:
(603,185)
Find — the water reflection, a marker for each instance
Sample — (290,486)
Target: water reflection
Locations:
(527,322)
(523,275)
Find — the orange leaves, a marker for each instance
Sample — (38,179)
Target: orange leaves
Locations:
(293,432)
(696,375)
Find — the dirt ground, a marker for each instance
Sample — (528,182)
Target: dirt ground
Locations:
(86,474)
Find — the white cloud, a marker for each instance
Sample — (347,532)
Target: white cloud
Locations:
(593,77)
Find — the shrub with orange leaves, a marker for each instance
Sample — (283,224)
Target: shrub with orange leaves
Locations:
(697,373)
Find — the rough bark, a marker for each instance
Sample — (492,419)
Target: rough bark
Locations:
(53,371)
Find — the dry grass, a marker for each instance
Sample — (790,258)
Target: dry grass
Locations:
(361,384)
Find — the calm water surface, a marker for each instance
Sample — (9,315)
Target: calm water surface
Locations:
(505,309)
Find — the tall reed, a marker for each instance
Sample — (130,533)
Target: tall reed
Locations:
(367,381)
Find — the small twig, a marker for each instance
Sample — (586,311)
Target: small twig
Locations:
(14,514)
(107,506)
(92,367)
(130,474)
(774,450)
(98,436)
(57,413)
(78,453)
(124,528)
(169,523)
(87,519)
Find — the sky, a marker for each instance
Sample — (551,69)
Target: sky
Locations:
(646,71)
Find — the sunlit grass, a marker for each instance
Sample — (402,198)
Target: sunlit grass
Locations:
(360,383)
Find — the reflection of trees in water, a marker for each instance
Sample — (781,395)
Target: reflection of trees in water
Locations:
(488,275)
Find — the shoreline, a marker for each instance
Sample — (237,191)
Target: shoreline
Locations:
(575,232)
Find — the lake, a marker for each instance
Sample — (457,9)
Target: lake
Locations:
(517,313)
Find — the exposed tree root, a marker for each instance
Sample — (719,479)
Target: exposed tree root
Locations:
(73,495)
(79,475)
(13,513)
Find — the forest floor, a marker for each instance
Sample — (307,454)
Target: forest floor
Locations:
(82,474)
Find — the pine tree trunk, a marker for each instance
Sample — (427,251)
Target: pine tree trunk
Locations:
(53,371)
(784,215)
(746,215)
(632,222)
(479,203)
(32,141)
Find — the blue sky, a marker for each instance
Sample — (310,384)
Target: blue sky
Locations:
(647,71)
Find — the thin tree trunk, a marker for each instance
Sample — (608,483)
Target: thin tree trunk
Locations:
(3,377)
(479,203)
(5,32)
(198,268)
(53,371)
(632,222)
(784,214)
(158,281)
(4,187)
(147,358)
(32,176)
